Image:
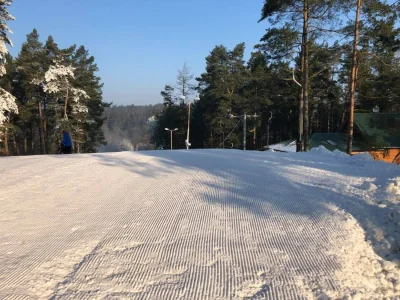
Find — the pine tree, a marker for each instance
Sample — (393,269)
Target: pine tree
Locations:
(183,81)
(353,77)
(7,100)
(222,91)
(168,96)
(373,74)
(301,21)
(88,113)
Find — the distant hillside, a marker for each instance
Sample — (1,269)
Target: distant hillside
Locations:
(126,127)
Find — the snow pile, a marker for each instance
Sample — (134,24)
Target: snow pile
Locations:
(378,276)
(393,187)
(376,185)
(355,159)
(379,188)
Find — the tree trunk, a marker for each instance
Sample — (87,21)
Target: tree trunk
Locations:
(33,140)
(42,140)
(353,79)
(6,150)
(78,147)
(46,139)
(254,137)
(45,126)
(342,118)
(66,104)
(25,144)
(329,120)
(305,76)
(300,141)
(16,149)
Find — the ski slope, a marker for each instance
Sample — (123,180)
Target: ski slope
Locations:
(199,224)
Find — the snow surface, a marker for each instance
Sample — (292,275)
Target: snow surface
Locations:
(199,224)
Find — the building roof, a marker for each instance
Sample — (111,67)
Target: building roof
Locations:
(379,130)
(333,141)
(284,146)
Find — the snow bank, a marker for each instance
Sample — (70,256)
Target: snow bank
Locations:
(357,158)
(379,186)
(373,188)
(393,187)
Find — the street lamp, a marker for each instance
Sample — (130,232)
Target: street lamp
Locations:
(197,98)
(171,131)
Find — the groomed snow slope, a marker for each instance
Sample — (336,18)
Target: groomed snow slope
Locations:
(198,224)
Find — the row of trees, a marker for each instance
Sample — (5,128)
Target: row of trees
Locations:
(46,89)
(308,71)
(175,111)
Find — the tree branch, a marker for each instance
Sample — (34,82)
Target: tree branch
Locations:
(330,65)
(380,97)
(328,30)
(294,79)
(377,57)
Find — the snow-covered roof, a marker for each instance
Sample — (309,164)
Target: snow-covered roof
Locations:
(285,146)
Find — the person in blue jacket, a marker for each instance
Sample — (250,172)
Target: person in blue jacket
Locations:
(66,144)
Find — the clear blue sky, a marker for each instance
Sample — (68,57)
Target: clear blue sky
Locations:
(140,44)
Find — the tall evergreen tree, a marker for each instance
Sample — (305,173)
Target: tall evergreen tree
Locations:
(90,122)
(300,21)
(373,73)
(7,100)
(183,82)
(168,96)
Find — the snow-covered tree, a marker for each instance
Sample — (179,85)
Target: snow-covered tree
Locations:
(57,81)
(7,101)
(7,105)
(4,30)
(41,77)
(183,82)
(80,113)
(151,127)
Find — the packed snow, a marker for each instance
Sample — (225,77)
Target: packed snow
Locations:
(199,224)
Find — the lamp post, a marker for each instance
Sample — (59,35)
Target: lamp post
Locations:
(171,131)
(187,142)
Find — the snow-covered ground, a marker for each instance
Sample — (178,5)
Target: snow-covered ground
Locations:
(216,224)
